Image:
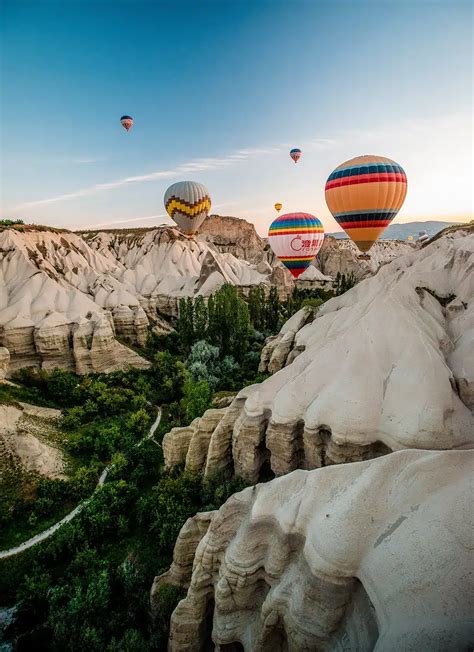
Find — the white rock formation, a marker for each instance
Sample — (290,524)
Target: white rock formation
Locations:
(278,348)
(190,535)
(368,556)
(343,256)
(386,366)
(50,281)
(189,445)
(22,435)
(49,316)
(161,265)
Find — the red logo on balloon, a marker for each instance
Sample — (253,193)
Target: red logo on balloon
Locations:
(296,243)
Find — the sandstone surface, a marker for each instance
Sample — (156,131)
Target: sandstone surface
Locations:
(4,362)
(381,368)
(373,555)
(22,435)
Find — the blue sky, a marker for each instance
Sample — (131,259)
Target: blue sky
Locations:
(220,91)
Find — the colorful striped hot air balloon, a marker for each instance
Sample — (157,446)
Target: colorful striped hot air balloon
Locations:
(296,238)
(188,203)
(295,154)
(127,122)
(278,207)
(364,195)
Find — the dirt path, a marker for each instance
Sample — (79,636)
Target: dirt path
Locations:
(4,554)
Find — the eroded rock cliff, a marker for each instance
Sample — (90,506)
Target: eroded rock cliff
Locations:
(381,368)
(373,555)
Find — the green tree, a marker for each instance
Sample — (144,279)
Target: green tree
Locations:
(200,318)
(168,376)
(185,323)
(273,310)
(257,308)
(196,398)
(203,362)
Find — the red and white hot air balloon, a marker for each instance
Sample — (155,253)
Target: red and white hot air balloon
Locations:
(295,239)
(127,122)
(295,154)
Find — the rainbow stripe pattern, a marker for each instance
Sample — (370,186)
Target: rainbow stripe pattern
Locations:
(364,195)
(296,238)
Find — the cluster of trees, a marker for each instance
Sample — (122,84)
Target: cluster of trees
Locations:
(88,586)
(7,222)
(344,283)
(223,320)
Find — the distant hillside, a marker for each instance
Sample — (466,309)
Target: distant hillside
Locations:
(402,231)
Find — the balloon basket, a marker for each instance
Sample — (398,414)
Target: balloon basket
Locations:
(363,257)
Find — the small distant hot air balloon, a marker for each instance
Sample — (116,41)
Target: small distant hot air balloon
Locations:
(295,154)
(364,195)
(127,122)
(296,238)
(410,238)
(188,204)
(423,236)
(278,207)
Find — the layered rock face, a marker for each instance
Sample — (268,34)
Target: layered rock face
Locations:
(373,555)
(24,445)
(368,555)
(381,368)
(342,256)
(54,280)
(161,265)
(56,305)
(4,362)
(234,236)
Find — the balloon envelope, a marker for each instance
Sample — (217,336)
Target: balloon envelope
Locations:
(127,122)
(188,204)
(278,206)
(295,154)
(296,238)
(364,195)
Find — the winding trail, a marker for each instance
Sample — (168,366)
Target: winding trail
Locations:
(45,534)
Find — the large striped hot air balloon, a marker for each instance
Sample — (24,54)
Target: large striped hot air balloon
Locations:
(295,154)
(188,203)
(127,122)
(296,238)
(364,195)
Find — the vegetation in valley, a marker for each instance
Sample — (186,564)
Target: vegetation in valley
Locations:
(87,587)
(7,222)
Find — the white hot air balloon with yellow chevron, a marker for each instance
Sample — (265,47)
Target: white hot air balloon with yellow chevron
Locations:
(188,204)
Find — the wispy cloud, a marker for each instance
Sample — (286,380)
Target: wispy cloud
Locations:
(146,218)
(87,159)
(196,165)
(127,221)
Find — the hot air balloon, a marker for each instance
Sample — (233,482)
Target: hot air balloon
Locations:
(278,207)
(295,154)
(296,238)
(364,195)
(127,122)
(423,237)
(410,238)
(188,203)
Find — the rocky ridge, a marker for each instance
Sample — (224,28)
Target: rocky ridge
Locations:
(343,558)
(23,443)
(349,556)
(411,325)
(65,297)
